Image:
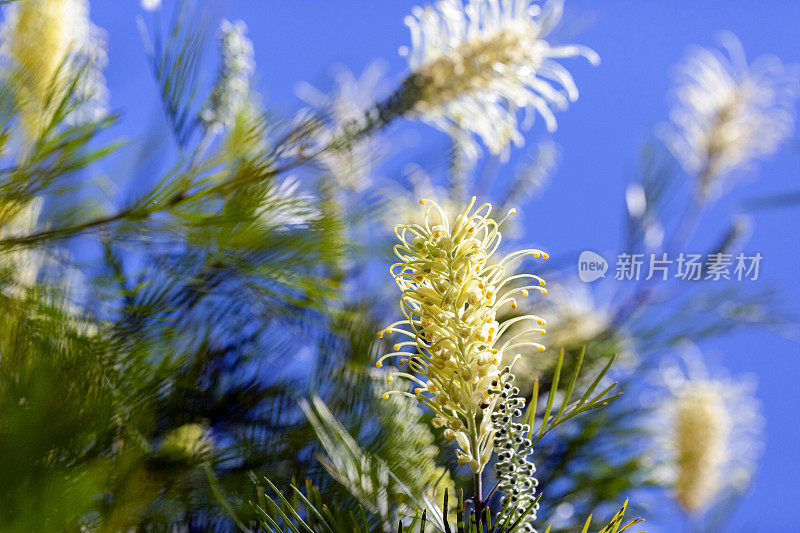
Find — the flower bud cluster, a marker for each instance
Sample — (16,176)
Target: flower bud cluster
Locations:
(513,446)
(452,291)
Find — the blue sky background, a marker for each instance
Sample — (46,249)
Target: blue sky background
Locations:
(600,137)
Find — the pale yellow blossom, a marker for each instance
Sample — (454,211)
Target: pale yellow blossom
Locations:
(452,290)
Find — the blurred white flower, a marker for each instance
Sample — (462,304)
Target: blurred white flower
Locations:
(231,94)
(636,200)
(476,65)
(351,163)
(151,5)
(576,318)
(572,314)
(23,264)
(709,434)
(53,42)
(728,113)
(284,207)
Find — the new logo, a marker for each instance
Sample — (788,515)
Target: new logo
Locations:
(591,266)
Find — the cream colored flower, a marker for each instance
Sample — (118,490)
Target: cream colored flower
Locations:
(576,319)
(53,42)
(475,65)
(729,113)
(702,429)
(451,288)
(709,432)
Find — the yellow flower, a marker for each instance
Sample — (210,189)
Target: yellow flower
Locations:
(452,290)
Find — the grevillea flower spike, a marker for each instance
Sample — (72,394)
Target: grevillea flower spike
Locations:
(475,64)
(452,290)
(729,113)
(708,431)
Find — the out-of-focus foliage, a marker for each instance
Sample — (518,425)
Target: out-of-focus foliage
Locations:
(124,385)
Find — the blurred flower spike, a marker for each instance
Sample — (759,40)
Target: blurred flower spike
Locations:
(231,93)
(53,43)
(452,291)
(475,65)
(728,113)
(350,163)
(710,435)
